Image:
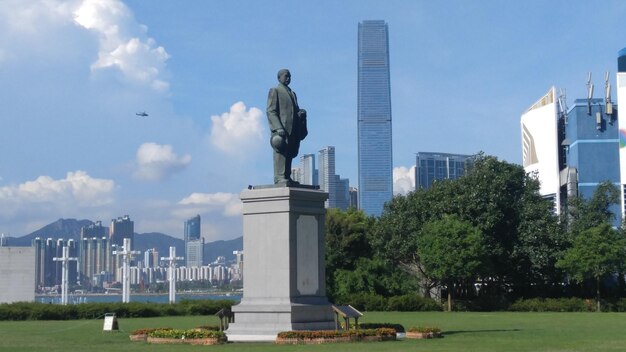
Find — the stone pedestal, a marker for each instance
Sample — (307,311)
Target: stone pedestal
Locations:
(284,271)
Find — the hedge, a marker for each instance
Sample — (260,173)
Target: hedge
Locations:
(374,302)
(45,311)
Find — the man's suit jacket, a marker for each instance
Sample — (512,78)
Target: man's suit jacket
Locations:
(282,111)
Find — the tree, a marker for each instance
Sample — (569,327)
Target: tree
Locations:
(490,196)
(346,242)
(595,253)
(583,214)
(540,243)
(451,250)
(351,266)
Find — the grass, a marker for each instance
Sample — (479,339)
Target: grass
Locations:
(462,332)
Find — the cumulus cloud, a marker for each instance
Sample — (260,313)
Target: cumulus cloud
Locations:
(157,162)
(123,43)
(228,203)
(33,17)
(237,131)
(77,187)
(33,203)
(403,179)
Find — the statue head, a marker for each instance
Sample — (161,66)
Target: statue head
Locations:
(284,76)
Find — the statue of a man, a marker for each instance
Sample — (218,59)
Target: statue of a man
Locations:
(288,126)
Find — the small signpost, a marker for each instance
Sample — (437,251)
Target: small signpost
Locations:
(110,322)
(226,317)
(346,313)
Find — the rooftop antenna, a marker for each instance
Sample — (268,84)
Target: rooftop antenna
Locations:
(562,99)
(589,93)
(607,99)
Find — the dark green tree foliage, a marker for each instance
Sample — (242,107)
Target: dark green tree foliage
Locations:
(350,265)
(595,253)
(584,213)
(541,240)
(496,197)
(450,250)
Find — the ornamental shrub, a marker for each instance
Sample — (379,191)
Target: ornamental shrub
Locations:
(553,305)
(317,334)
(425,329)
(187,334)
(45,311)
(146,331)
(395,327)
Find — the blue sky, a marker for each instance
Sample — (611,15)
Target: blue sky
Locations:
(74,73)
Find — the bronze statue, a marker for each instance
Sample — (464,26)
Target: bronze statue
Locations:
(288,126)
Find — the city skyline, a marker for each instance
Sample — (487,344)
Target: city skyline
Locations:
(73,146)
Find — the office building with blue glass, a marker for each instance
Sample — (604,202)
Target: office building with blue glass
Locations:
(374,118)
(194,243)
(431,167)
(591,149)
(573,150)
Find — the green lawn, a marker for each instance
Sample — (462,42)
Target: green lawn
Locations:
(462,332)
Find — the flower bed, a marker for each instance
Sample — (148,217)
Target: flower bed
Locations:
(331,336)
(192,336)
(423,332)
(142,334)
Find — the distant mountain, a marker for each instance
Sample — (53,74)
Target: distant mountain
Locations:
(70,229)
(212,250)
(62,228)
(159,241)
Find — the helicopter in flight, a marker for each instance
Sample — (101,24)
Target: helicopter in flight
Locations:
(142,114)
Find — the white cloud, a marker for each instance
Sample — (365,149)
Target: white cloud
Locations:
(237,131)
(38,201)
(228,203)
(157,162)
(77,187)
(34,17)
(403,179)
(123,43)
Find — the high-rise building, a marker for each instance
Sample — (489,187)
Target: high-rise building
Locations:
(329,181)
(326,174)
(195,253)
(354,197)
(122,228)
(95,259)
(621,101)
(541,138)
(343,193)
(430,167)
(47,271)
(151,258)
(191,237)
(374,118)
(308,172)
(591,146)
(571,151)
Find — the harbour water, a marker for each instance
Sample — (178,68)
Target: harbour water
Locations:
(153,298)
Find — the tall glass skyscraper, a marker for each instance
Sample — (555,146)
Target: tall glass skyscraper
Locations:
(374,118)
(194,244)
